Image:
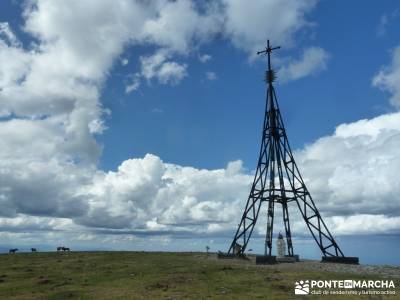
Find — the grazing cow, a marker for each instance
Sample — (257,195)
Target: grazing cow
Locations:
(63,249)
(33,250)
(13,250)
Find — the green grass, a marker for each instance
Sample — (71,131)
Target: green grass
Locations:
(144,275)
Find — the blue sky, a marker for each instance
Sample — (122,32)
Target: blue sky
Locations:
(129,125)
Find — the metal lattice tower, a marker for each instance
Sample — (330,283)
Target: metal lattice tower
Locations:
(278,181)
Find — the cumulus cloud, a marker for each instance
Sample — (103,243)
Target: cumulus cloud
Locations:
(179,25)
(150,194)
(157,66)
(49,94)
(250,23)
(176,28)
(211,75)
(388,78)
(365,224)
(360,162)
(172,72)
(143,194)
(312,61)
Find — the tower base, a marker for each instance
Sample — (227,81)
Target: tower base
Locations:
(340,260)
(286,259)
(265,260)
(296,257)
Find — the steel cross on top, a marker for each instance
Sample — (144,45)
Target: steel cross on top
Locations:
(268,50)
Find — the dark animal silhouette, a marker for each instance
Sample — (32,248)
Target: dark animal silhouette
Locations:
(13,250)
(63,249)
(33,250)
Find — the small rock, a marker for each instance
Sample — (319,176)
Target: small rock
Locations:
(43,280)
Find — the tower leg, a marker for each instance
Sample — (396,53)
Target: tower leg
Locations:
(287,228)
(246,226)
(317,227)
(270,228)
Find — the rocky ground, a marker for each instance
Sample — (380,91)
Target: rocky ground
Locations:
(311,265)
(314,265)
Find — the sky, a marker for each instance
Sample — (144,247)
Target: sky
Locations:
(136,125)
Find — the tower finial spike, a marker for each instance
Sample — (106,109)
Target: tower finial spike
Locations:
(270,74)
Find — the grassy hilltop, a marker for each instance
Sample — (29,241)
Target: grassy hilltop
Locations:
(146,275)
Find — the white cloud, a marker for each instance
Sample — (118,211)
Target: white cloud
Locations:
(205,58)
(384,22)
(157,110)
(158,66)
(6,35)
(211,75)
(381,29)
(388,78)
(366,224)
(134,83)
(124,61)
(49,96)
(151,64)
(360,162)
(313,60)
(250,23)
(147,192)
(179,25)
(172,72)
